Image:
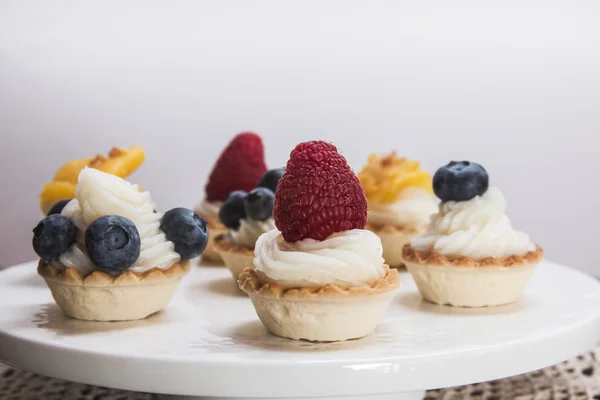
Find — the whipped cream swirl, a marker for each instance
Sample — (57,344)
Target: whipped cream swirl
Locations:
(98,194)
(209,209)
(350,258)
(476,228)
(250,230)
(415,206)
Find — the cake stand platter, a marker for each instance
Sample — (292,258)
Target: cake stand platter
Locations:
(209,342)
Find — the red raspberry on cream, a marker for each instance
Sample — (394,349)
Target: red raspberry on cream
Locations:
(318,194)
(239,167)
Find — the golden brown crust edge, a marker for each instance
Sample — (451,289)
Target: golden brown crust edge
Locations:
(212,222)
(435,259)
(223,243)
(250,283)
(70,276)
(415,228)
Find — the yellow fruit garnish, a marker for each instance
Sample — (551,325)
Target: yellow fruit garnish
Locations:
(384,178)
(54,192)
(70,171)
(120,162)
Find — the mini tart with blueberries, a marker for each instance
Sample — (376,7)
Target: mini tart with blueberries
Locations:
(239,167)
(109,256)
(320,275)
(401,201)
(470,256)
(248,216)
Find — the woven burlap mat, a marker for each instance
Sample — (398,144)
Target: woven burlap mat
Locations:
(576,379)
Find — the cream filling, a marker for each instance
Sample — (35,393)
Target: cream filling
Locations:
(98,194)
(415,206)
(350,258)
(209,209)
(250,230)
(476,228)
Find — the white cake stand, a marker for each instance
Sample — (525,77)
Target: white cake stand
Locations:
(209,342)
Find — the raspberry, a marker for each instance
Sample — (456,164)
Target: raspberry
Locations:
(318,194)
(239,167)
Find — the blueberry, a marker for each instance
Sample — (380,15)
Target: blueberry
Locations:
(259,204)
(232,209)
(186,230)
(53,236)
(271,178)
(58,206)
(113,243)
(460,181)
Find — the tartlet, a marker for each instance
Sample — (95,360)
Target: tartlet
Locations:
(471,283)
(247,216)
(320,276)
(235,257)
(108,255)
(103,297)
(215,229)
(394,237)
(400,200)
(239,167)
(470,256)
(329,313)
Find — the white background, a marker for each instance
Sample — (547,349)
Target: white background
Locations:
(515,87)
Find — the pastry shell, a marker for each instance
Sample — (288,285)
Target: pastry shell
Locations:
(102,297)
(215,228)
(393,238)
(250,281)
(435,259)
(212,222)
(235,257)
(466,282)
(329,313)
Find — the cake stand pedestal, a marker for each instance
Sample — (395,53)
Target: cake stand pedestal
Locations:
(208,342)
(416,395)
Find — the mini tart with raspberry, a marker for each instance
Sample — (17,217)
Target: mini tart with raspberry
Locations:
(239,167)
(400,202)
(109,255)
(320,276)
(470,256)
(103,297)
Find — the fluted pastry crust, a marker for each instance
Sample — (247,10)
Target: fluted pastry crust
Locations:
(250,282)
(211,222)
(223,242)
(413,228)
(435,259)
(70,276)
